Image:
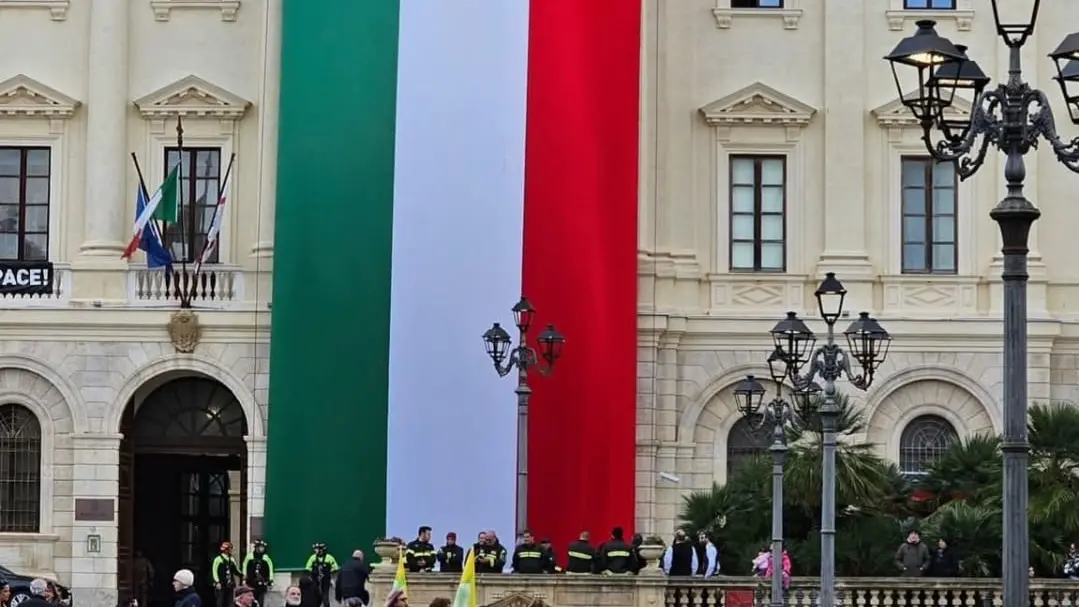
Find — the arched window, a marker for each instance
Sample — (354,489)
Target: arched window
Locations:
(20,470)
(744,442)
(924,441)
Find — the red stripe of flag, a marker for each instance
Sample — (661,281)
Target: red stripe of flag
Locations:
(580,261)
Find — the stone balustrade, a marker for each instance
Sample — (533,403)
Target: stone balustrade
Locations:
(657,590)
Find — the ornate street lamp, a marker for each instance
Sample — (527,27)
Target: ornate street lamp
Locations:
(507,357)
(867,344)
(1012,117)
(777,414)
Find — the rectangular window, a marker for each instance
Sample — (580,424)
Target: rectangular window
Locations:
(200,183)
(756,3)
(758,214)
(929,227)
(941,5)
(24,203)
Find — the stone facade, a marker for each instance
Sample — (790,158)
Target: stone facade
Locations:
(79,391)
(77,358)
(805,83)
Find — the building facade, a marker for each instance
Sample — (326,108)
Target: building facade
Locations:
(774,149)
(84,85)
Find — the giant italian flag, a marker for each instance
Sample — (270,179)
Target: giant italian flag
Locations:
(514,171)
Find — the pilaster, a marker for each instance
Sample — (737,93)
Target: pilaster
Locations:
(845,249)
(106,136)
(269,98)
(95,478)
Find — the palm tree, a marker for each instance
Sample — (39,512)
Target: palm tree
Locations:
(973,531)
(1054,482)
(862,478)
(969,470)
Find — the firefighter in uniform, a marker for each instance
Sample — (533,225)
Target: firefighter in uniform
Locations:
(451,557)
(258,571)
(224,572)
(528,557)
(552,557)
(420,554)
(322,566)
(581,555)
(490,555)
(616,556)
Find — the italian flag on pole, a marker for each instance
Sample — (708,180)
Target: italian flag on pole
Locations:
(514,172)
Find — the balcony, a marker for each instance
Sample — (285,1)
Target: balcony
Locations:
(60,296)
(658,590)
(215,286)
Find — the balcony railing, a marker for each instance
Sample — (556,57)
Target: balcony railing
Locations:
(60,296)
(214,286)
(657,590)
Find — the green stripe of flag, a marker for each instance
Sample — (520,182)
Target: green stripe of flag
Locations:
(326,470)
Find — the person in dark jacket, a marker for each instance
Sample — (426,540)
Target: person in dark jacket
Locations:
(490,554)
(420,553)
(912,557)
(38,594)
(258,570)
(183,582)
(451,557)
(616,556)
(943,562)
(352,579)
(581,556)
(552,557)
(528,556)
(680,558)
(310,594)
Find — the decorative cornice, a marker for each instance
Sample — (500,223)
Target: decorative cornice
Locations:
(21,95)
(57,8)
(896,115)
(898,19)
(163,8)
(192,97)
(760,105)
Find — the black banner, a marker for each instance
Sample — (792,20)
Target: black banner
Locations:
(26,277)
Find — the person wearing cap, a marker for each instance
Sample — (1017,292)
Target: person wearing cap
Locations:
(224,572)
(243,596)
(451,557)
(352,580)
(183,582)
(322,566)
(258,570)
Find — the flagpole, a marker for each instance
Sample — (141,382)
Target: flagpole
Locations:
(182,283)
(146,193)
(217,209)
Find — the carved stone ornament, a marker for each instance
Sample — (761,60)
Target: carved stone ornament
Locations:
(21,95)
(184,331)
(517,599)
(163,8)
(758,104)
(57,8)
(896,115)
(192,96)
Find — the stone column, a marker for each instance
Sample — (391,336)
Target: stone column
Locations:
(107,100)
(269,106)
(95,476)
(843,115)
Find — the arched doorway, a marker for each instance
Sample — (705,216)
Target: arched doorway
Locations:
(183,480)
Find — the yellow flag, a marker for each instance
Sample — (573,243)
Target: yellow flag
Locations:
(400,582)
(466,590)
